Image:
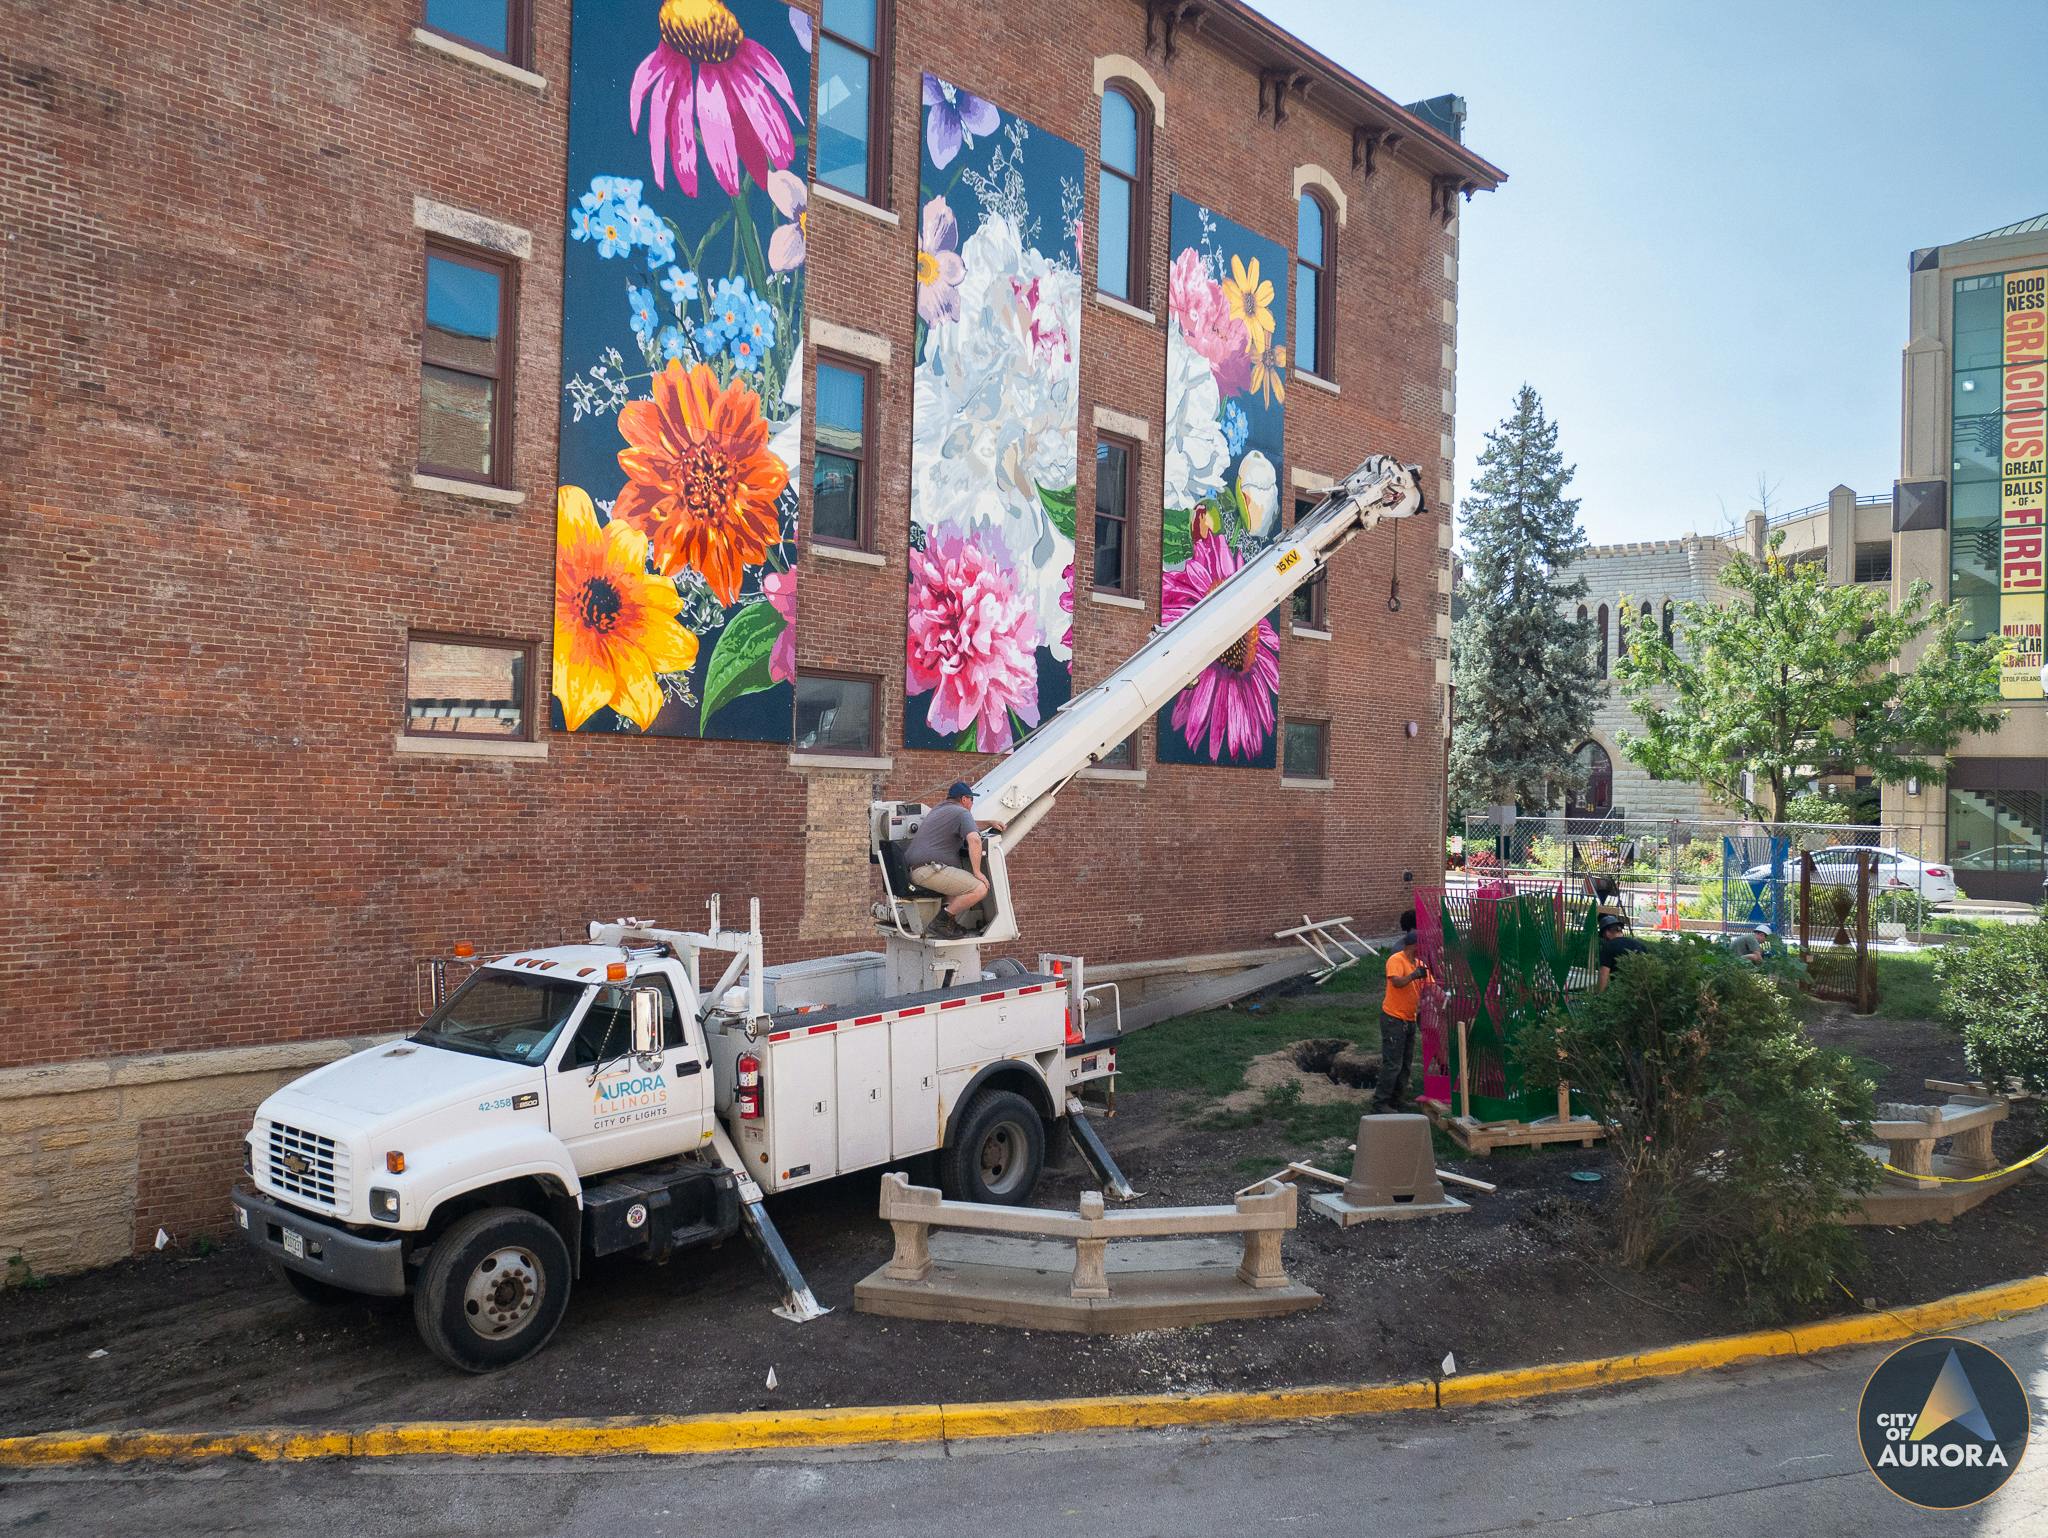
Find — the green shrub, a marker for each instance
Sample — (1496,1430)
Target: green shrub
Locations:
(1994,990)
(1727,1124)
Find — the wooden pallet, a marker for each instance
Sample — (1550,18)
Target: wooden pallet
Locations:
(1480,1138)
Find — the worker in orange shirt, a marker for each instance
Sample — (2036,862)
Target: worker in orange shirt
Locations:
(1407,972)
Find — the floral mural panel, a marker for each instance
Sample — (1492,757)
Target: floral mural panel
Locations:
(1226,399)
(990,640)
(682,368)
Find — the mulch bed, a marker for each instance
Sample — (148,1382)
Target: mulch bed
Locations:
(217,1341)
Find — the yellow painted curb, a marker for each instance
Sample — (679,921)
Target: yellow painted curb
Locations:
(1012,1418)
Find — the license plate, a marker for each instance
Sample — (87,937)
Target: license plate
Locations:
(294,1244)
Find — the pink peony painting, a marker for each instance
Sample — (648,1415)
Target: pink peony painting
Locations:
(973,640)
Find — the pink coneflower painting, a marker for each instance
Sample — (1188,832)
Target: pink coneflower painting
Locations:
(1232,702)
(973,640)
(780,586)
(707,74)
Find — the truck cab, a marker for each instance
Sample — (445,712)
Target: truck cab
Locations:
(515,1101)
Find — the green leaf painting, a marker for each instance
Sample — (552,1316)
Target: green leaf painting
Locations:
(739,662)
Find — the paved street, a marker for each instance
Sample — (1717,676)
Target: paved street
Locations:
(1756,1449)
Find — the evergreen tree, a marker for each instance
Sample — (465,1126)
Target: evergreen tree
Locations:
(1519,656)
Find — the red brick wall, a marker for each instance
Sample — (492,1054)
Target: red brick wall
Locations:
(208,379)
(184,1167)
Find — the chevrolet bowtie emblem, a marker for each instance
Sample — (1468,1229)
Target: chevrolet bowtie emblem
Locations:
(296,1163)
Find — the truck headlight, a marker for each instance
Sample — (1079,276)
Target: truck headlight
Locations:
(384,1204)
(248,1160)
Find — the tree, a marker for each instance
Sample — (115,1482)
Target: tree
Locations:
(1520,659)
(1792,678)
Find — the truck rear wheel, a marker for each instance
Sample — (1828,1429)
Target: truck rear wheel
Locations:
(999,1153)
(493,1289)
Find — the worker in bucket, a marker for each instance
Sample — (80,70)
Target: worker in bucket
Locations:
(1400,1010)
(944,856)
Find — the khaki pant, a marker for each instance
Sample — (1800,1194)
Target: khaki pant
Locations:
(947,880)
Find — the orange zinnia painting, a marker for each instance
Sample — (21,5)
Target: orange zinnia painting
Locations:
(701,482)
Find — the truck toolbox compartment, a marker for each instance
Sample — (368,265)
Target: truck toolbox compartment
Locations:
(660,1209)
(332,1254)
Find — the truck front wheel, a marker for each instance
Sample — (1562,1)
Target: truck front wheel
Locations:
(999,1153)
(492,1290)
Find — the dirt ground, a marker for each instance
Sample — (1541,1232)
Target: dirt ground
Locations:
(217,1341)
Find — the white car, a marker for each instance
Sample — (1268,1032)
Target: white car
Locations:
(1896,872)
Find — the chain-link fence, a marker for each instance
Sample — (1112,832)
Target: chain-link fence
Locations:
(1673,873)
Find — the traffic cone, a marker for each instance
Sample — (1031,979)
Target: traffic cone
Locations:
(1059,970)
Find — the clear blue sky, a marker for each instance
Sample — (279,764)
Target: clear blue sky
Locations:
(1699,258)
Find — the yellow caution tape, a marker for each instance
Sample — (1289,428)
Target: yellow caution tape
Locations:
(1966,1180)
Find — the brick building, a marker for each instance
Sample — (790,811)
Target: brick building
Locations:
(280,559)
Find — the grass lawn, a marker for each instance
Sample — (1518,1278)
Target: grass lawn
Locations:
(1906,989)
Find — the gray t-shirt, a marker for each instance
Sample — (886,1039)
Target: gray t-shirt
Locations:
(941,839)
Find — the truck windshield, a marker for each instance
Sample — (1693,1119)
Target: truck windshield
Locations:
(506,1015)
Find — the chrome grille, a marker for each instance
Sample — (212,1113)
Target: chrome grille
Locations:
(306,1165)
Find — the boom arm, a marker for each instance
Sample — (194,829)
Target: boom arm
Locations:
(1019,790)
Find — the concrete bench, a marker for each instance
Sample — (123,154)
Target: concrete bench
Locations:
(1008,1265)
(1921,1183)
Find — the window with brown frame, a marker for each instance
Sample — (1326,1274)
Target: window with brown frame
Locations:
(1311,601)
(1123,756)
(501,28)
(854,38)
(1315,313)
(466,365)
(1603,640)
(840,485)
(1116,499)
(468,686)
(1124,197)
(837,712)
(1305,751)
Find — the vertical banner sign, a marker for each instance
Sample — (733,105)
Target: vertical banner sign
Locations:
(2023,484)
(682,370)
(1226,396)
(994,418)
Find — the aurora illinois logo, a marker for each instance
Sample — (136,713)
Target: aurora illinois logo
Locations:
(1943,1422)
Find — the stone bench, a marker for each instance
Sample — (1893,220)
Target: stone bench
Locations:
(1010,1265)
(1920,1183)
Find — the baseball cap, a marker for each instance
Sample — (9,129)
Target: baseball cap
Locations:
(1612,921)
(1765,929)
(958,789)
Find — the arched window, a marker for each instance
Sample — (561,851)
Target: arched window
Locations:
(1314,289)
(1603,640)
(1668,612)
(1124,195)
(1594,798)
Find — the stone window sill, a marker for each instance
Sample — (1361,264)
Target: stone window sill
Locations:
(830,194)
(1309,633)
(1116,600)
(1125,307)
(807,762)
(468,747)
(1124,776)
(475,491)
(477,57)
(1293,782)
(1318,381)
(843,553)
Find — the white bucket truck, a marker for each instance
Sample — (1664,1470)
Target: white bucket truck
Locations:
(573,1101)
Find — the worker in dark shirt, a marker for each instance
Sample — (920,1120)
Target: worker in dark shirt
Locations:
(1615,944)
(944,856)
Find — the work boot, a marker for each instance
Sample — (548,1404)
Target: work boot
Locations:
(943,927)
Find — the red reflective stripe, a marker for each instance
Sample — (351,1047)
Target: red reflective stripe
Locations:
(780,1036)
(953,1003)
(905,1014)
(819,1030)
(990,998)
(869,1020)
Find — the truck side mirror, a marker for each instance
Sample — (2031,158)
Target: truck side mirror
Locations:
(646,1022)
